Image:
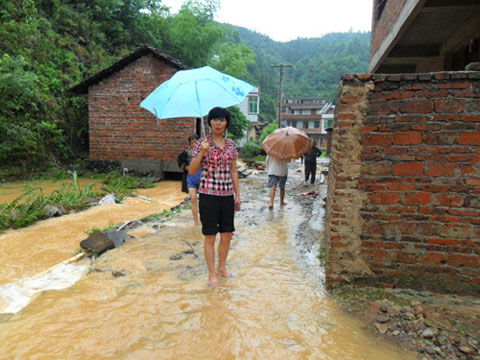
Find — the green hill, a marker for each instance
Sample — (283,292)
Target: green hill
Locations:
(318,63)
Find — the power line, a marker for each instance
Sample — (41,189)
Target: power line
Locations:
(281,67)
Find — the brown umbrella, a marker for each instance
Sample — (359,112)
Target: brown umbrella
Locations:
(286,143)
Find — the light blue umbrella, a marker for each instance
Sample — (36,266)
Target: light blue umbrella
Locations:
(193,93)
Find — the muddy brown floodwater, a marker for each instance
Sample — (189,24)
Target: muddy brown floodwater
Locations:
(11,191)
(33,249)
(136,303)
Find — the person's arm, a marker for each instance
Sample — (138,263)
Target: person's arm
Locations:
(236,184)
(197,160)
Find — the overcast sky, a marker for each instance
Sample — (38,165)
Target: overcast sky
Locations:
(284,20)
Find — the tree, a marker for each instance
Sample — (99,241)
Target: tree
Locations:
(192,32)
(270,128)
(238,123)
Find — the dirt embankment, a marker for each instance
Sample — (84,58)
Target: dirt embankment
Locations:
(437,326)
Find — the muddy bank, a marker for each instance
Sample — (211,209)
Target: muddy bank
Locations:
(436,326)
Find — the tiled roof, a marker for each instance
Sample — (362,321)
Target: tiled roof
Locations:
(82,88)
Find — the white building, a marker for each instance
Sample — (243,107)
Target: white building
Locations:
(250,108)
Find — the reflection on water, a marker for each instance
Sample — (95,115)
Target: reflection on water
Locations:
(139,304)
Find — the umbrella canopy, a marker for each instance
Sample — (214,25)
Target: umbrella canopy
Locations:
(286,143)
(193,93)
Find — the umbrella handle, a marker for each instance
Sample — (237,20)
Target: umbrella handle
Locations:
(203,126)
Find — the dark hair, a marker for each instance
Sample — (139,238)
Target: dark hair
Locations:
(192,137)
(218,113)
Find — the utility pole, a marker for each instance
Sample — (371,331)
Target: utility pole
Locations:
(281,66)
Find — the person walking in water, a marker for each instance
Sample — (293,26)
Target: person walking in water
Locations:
(190,183)
(219,191)
(193,181)
(311,163)
(277,171)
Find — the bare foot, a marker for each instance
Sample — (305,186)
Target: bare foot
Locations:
(225,273)
(283,203)
(212,280)
(270,207)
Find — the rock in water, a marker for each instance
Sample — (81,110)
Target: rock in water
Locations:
(54,210)
(118,237)
(108,199)
(97,243)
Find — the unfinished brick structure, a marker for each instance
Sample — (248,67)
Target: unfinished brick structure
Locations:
(404,184)
(119,129)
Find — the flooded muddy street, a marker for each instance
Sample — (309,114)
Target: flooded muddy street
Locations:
(137,303)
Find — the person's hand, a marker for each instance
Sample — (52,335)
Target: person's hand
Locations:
(237,203)
(205,146)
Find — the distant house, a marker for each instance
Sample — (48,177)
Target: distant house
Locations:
(312,115)
(255,130)
(119,129)
(250,108)
(412,36)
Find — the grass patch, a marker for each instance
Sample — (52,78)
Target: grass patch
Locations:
(260,158)
(31,206)
(123,186)
(347,293)
(322,253)
(164,213)
(110,226)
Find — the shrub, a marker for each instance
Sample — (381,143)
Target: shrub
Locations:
(250,150)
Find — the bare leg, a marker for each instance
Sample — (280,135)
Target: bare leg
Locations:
(282,197)
(223,248)
(272,197)
(209,248)
(193,196)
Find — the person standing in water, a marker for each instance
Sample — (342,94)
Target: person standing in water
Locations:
(193,181)
(277,171)
(219,191)
(311,163)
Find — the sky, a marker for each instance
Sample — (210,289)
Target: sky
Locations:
(285,20)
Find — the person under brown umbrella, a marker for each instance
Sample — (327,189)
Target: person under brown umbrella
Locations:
(282,146)
(277,171)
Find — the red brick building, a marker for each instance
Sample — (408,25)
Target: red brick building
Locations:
(119,129)
(403,205)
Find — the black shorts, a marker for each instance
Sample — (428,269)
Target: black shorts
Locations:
(216,213)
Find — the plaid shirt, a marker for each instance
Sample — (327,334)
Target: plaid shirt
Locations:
(216,165)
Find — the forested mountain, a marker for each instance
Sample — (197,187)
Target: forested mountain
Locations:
(48,46)
(318,63)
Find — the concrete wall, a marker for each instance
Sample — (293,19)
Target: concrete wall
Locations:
(120,130)
(404,184)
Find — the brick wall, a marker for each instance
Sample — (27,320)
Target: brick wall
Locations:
(404,184)
(120,130)
(382,27)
